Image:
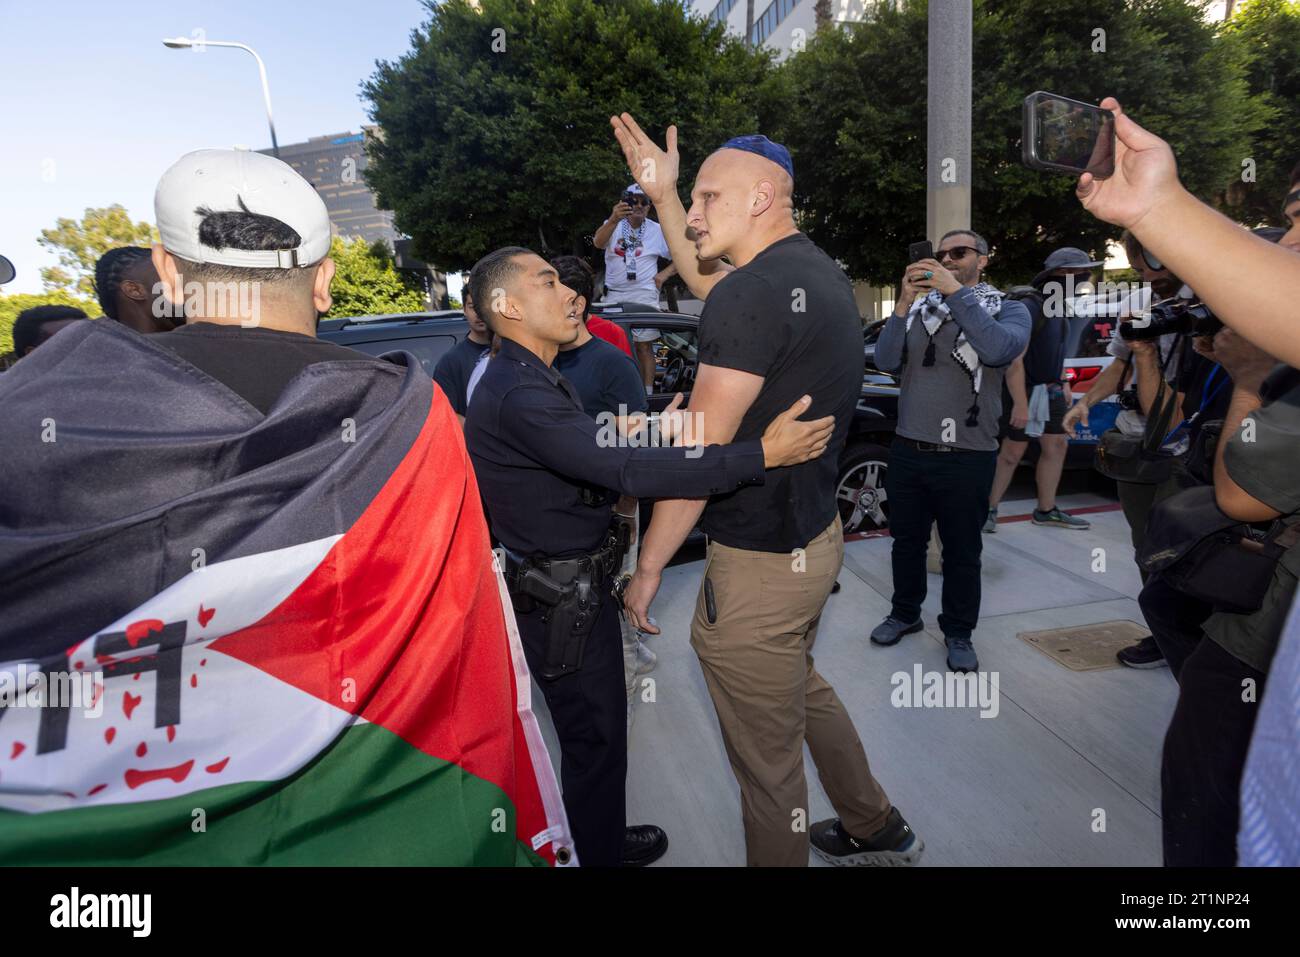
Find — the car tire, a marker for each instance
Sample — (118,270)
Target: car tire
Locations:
(860,488)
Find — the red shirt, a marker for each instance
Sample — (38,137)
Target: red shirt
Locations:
(611,332)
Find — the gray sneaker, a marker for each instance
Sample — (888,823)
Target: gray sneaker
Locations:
(991,523)
(961,655)
(1054,516)
(889,631)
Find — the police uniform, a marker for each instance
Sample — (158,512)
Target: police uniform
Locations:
(544,472)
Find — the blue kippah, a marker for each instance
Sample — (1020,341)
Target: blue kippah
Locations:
(759,144)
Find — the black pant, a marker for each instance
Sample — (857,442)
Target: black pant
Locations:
(589,710)
(952,490)
(1175,620)
(1205,752)
(1136,501)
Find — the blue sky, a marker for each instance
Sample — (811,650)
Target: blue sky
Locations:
(94,107)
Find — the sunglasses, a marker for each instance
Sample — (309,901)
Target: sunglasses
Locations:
(636,200)
(957,252)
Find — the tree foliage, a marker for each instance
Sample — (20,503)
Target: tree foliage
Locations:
(11,306)
(366,283)
(496,123)
(855,121)
(80,243)
(1265,35)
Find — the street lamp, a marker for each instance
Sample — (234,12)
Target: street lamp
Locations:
(184,43)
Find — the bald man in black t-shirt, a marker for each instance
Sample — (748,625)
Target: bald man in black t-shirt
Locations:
(780,324)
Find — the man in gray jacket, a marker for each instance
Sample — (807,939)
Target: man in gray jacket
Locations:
(953,336)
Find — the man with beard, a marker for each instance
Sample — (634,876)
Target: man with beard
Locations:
(953,336)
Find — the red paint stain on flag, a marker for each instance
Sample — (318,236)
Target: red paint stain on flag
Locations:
(135,778)
(137,631)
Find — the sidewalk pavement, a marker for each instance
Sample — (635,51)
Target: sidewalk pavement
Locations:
(1065,774)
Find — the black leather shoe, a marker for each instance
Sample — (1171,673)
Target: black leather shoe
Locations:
(643,844)
(835,589)
(889,631)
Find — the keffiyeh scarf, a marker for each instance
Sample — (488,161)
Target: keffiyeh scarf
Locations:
(934,312)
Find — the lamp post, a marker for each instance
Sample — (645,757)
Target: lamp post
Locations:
(948,166)
(185,43)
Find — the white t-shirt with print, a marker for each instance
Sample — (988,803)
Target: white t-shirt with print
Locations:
(642,249)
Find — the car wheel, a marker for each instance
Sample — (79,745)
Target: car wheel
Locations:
(860,488)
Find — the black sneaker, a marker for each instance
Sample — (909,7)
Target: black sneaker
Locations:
(1145,654)
(894,845)
(643,844)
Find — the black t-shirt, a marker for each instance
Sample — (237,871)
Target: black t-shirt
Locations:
(256,364)
(453,369)
(605,377)
(788,316)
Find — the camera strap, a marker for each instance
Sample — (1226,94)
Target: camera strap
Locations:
(1208,395)
(1162,413)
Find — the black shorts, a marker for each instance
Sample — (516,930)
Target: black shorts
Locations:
(1057,406)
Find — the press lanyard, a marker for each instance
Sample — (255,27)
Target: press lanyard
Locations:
(1207,397)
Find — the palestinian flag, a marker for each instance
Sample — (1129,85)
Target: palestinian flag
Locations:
(302,648)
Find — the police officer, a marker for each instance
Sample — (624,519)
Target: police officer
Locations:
(546,472)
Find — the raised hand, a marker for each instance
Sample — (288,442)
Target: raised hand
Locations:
(654,170)
(1145,174)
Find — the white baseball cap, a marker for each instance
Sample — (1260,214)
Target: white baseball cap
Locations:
(220,180)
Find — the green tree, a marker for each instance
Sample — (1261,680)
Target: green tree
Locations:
(80,243)
(11,306)
(855,121)
(366,283)
(1265,36)
(496,123)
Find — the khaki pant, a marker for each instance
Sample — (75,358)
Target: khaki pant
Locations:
(756,653)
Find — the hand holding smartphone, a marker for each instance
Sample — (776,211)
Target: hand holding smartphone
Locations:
(1067,136)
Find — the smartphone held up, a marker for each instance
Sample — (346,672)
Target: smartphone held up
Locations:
(918,251)
(1067,136)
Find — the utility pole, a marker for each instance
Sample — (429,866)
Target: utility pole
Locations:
(948,166)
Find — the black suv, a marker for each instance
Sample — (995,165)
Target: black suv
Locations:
(860,487)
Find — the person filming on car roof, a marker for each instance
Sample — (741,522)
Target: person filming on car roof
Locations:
(634,245)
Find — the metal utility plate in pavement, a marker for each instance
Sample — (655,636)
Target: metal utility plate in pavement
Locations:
(1086,647)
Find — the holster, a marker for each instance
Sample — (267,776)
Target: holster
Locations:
(570,591)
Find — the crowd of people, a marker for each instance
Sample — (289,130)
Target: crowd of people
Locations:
(1202,452)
